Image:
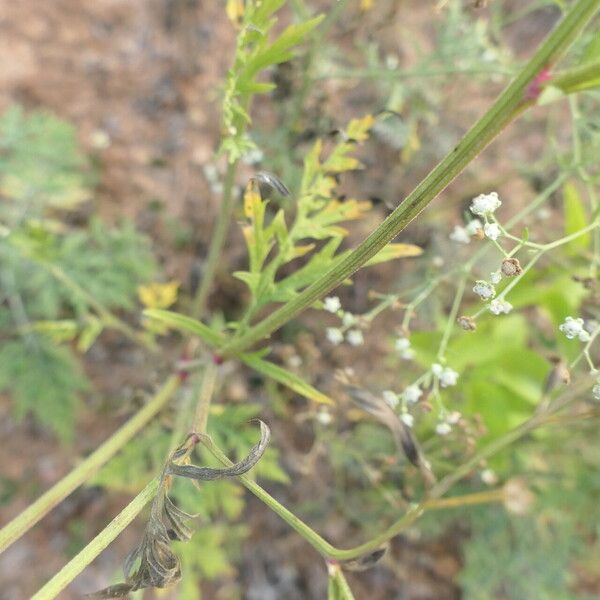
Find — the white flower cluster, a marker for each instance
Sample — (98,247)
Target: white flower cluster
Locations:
(445,375)
(392,399)
(335,336)
(332,304)
(573,328)
(498,307)
(496,277)
(403,348)
(463,235)
(485,204)
(596,392)
(412,394)
(484,290)
(492,231)
(444,427)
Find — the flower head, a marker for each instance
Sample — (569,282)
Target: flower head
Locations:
(496,277)
(412,394)
(484,290)
(596,392)
(511,267)
(334,335)
(403,348)
(460,235)
(497,307)
(348,319)
(332,304)
(355,337)
(474,227)
(443,428)
(485,204)
(448,377)
(573,328)
(492,231)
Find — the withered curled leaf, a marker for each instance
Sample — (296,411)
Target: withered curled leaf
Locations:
(362,563)
(239,468)
(403,436)
(273,182)
(157,565)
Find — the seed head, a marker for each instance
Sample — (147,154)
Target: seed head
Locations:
(511,267)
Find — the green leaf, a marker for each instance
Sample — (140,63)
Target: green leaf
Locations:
(287,378)
(393,251)
(183,323)
(44,380)
(575,219)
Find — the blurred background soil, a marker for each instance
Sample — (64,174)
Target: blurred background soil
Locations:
(141,81)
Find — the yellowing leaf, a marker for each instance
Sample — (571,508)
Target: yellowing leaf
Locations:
(358,129)
(302,250)
(393,251)
(252,199)
(235,10)
(158,295)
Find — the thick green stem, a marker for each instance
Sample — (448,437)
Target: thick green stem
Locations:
(45,503)
(217,242)
(76,565)
(510,104)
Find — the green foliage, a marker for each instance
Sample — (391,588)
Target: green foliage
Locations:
(338,588)
(575,218)
(254,53)
(315,234)
(41,165)
(44,380)
(58,282)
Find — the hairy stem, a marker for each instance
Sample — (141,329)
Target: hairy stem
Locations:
(45,503)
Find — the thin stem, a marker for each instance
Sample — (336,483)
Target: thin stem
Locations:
(76,565)
(510,104)
(416,510)
(450,323)
(217,242)
(204,398)
(45,503)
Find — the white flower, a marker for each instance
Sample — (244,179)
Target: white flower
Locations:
(348,319)
(460,235)
(324,416)
(484,289)
(332,304)
(448,377)
(390,398)
(334,335)
(596,391)
(573,328)
(498,307)
(403,348)
(474,227)
(407,419)
(412,394)
(437,369)
(443,428)
(485,204)
(496,277)
(355,337)
(489,477)
(454,417)
(492,231)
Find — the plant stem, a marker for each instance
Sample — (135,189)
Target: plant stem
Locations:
(76,565)
(208,385)
(509,105)
(217,242)
(416,510)
(45,503)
